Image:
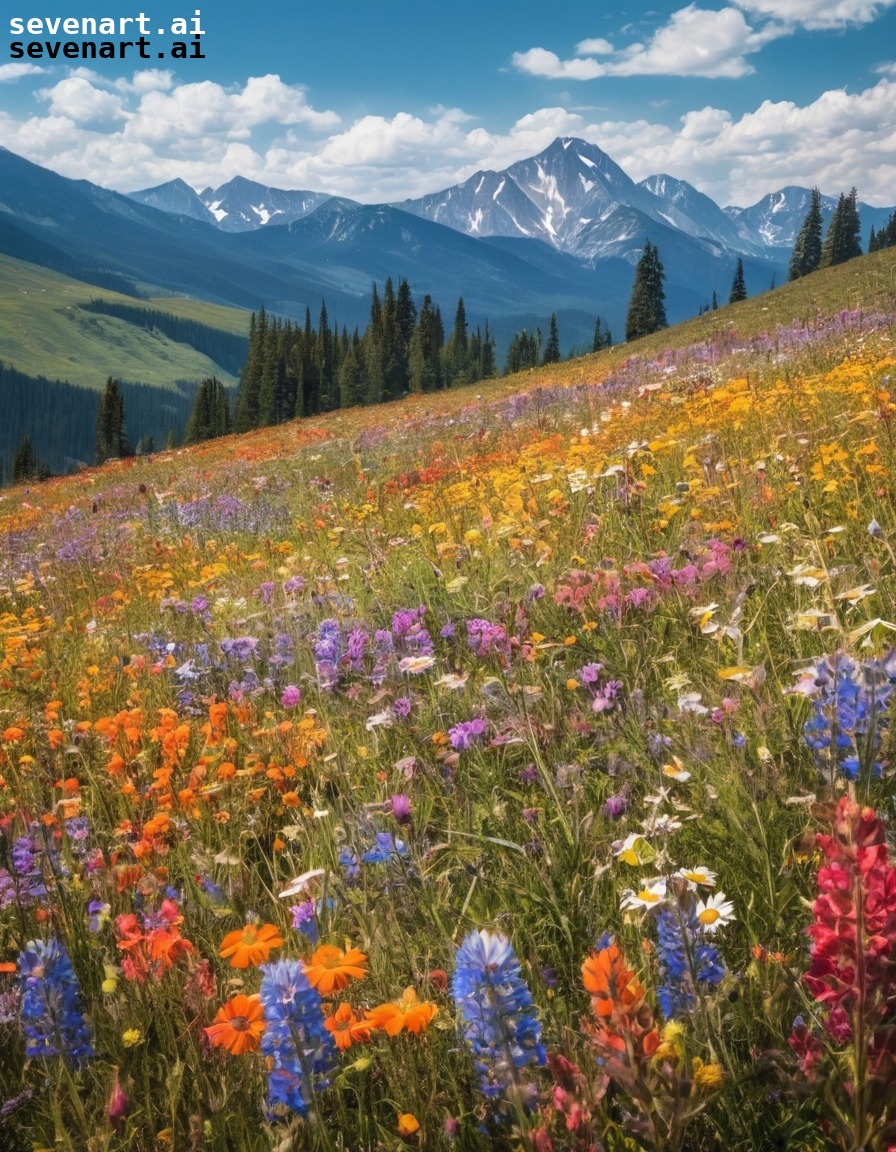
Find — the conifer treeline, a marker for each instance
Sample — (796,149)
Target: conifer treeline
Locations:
(294,370)
(886,238)
(60,420)
(225,348)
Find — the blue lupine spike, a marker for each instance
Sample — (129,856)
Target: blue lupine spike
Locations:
(849,717)
(295,1039)
(679,931)
(497,1010)
(51,1013)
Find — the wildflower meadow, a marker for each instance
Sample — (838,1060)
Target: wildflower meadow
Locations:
(478,771)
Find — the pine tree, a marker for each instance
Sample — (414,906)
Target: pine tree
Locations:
(806,255)
(646,310)
(715,302)
(603,337)
(738,284)
(24,463)
(885,237)
(552,348)
(210,415)
(842,241)
(456,352)
(247,413)
(111,441)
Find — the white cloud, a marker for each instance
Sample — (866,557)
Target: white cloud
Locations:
(594,47)
(12,72)
(77,99)
(817,14)
(694,42)
(541,62)
(267,131)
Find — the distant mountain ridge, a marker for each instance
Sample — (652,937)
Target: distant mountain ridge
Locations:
(572,196)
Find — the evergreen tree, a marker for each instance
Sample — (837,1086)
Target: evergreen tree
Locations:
(715,302)
(111,441)
(146,445)
(247,413)
(25,464)
(552,348)
(806,255)
(646,310)
(270,390)
(603,337)
(738,284)
(842,241)
(352,378)
(524,352)
(375,352)
(456,352)
(210,415)
(885,237)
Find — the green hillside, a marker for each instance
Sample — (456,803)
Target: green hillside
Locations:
(44,332)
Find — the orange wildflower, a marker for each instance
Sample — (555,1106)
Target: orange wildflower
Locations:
(610,983)
(250,945)
(409,1014)
(238,1026)
(347,1029)
(330,967)
(408,1124)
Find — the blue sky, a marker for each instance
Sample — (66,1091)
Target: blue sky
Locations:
(380,103)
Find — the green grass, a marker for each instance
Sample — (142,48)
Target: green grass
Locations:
(45,333)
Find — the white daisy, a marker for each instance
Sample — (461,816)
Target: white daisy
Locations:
(715,912)
(650,896)
(696,876)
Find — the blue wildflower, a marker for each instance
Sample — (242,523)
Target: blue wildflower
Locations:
(51,1013)
(849,718)
(300,1049)
(685,958)
(385,848)
(497,1011)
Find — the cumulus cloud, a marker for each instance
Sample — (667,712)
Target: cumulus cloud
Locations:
(12,72)
(694,42)
(597,46)
(817,14)
(76,98)
(268,131)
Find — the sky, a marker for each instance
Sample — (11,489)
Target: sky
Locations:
(381,102)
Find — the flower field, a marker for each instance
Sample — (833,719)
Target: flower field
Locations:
(466,773)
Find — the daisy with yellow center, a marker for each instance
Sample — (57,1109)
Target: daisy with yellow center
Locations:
(715,912)
(650,896)
(697,876)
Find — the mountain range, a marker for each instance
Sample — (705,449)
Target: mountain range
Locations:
(558,232)
(572,196)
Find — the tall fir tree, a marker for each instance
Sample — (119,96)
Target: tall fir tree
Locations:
(25,464)
(111,440)
(552,348)
(247,412)
(843,241)
(603,337)
(210,415)
(806,255)
(738,284)
(646,307)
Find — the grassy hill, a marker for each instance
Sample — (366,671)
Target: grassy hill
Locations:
(44,332)
(536,738)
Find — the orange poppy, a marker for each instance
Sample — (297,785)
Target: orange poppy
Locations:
(405,1015)
(347,1028)
(249,946)
(330,967)
(238,1025)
